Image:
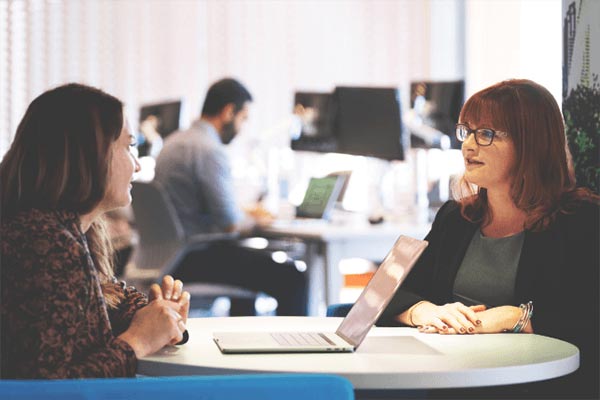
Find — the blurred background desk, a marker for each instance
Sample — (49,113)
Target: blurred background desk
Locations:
(328,243)
(389,359)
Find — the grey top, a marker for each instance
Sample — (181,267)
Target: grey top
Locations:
(488,270)
(194,169)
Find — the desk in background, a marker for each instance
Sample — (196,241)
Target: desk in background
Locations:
(328,243)
(389,359)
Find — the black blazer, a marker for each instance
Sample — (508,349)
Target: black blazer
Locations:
(558,271)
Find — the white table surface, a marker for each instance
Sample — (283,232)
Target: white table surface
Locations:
(389,358)
(344,230)
(329,243)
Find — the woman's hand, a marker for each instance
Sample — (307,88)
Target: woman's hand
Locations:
(448,318)
(153,327)
(493,320)
(172,290)
(500,319)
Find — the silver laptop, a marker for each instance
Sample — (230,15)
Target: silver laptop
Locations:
(353,329)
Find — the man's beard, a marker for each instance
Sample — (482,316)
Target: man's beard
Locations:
(228,132)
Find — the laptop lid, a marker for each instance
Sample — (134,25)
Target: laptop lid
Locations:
(320,197)
(381,288)
(354,328)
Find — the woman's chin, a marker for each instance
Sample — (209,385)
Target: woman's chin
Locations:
(479,183)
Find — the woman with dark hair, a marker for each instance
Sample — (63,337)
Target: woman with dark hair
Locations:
(63,314)
(518,250)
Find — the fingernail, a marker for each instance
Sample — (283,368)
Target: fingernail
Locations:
(444,327)
(471,329)
(462,329)
(478,322)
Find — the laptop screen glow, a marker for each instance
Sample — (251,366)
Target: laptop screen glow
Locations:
(320,196)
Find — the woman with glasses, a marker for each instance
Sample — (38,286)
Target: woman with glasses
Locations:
(518,250)
(63,314)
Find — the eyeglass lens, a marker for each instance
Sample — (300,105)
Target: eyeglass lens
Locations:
(483,136)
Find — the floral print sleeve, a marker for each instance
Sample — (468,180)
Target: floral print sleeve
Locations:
(120,317)
(55,323)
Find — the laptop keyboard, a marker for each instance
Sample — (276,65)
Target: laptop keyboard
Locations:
(300,339)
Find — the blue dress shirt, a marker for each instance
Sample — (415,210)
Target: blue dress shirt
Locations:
(194,168)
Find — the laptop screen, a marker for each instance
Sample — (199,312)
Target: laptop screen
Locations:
(320,197)
(380,289)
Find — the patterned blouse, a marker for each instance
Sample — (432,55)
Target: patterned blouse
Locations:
(54,320)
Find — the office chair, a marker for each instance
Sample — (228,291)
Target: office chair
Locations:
(339,309)
(247,387)
(162,246)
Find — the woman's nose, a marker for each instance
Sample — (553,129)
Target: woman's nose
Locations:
(470,141)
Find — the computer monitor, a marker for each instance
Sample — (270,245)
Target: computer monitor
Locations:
(438,105)
(314,112)
(167,116)
(367,122)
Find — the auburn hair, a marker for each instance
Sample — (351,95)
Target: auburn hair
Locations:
(544,178)
(59,160)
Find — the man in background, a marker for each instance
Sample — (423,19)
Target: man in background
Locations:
(194,169)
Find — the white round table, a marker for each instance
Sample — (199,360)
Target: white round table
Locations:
(389,358)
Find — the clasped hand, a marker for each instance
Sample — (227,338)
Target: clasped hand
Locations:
(172,290)
(162,321)
(457,318)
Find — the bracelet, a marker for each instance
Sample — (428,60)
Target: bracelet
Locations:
(526,314)
(410,312)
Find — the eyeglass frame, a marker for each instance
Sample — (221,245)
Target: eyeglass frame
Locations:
(474,131)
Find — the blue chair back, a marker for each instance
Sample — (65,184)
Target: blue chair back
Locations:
(247,387)
(339,310)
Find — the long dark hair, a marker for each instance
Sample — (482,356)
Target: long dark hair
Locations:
(59,160)
(544,182)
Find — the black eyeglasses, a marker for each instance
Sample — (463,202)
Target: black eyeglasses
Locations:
(483,136)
